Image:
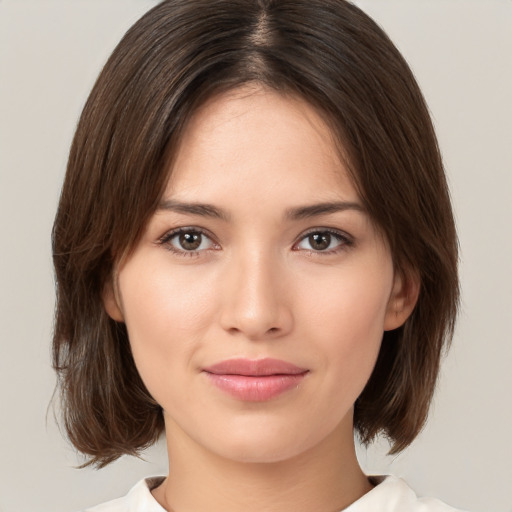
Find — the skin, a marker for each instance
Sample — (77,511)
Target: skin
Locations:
(258,286)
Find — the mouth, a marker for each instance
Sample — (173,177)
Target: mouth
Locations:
(255,380)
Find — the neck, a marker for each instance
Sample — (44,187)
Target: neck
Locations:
(326,478)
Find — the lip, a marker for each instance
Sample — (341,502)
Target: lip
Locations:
(255,380)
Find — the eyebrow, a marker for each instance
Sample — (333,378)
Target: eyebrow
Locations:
(296,213)
(202,209)
(314,210)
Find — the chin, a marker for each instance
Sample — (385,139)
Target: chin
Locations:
(266,443)
(251,453)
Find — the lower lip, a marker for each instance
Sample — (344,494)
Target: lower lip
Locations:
(255,388)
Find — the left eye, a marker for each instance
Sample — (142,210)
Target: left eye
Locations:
(321,241)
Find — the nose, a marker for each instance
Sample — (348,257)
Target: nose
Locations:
(256,299)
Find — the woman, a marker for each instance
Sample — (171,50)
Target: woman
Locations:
(255,253)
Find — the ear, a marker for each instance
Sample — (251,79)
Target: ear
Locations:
(111,302)
(403,298)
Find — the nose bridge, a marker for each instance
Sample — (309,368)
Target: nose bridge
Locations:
(255,301)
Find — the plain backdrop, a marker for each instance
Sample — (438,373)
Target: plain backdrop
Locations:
(461,52)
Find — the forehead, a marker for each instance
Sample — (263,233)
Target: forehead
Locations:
(263,139)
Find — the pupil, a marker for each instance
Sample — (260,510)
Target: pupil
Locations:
(320,241)
(190,241)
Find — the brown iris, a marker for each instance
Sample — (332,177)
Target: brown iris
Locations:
(190,241)
(319,241)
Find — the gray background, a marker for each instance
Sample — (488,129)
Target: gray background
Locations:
(461,52)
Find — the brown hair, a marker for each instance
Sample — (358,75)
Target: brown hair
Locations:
(175,57)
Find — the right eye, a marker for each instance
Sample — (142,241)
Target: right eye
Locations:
(187,241)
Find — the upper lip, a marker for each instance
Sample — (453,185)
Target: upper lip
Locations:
(254,367)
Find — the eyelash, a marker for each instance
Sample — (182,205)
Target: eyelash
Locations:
(345,241)
(167,238)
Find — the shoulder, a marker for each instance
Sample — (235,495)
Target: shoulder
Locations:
(138,499)
(392,494)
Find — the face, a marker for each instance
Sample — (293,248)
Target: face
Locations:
(257,298)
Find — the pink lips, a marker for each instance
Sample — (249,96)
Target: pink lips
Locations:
(255,380)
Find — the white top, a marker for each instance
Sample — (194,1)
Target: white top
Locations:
(391,494)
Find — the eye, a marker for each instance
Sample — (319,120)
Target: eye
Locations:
(187,240)
(323,241)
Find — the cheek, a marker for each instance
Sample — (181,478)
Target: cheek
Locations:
(166,314)
(352,302)
(347,314)
(157,298)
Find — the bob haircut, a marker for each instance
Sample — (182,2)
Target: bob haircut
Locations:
(178,55)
